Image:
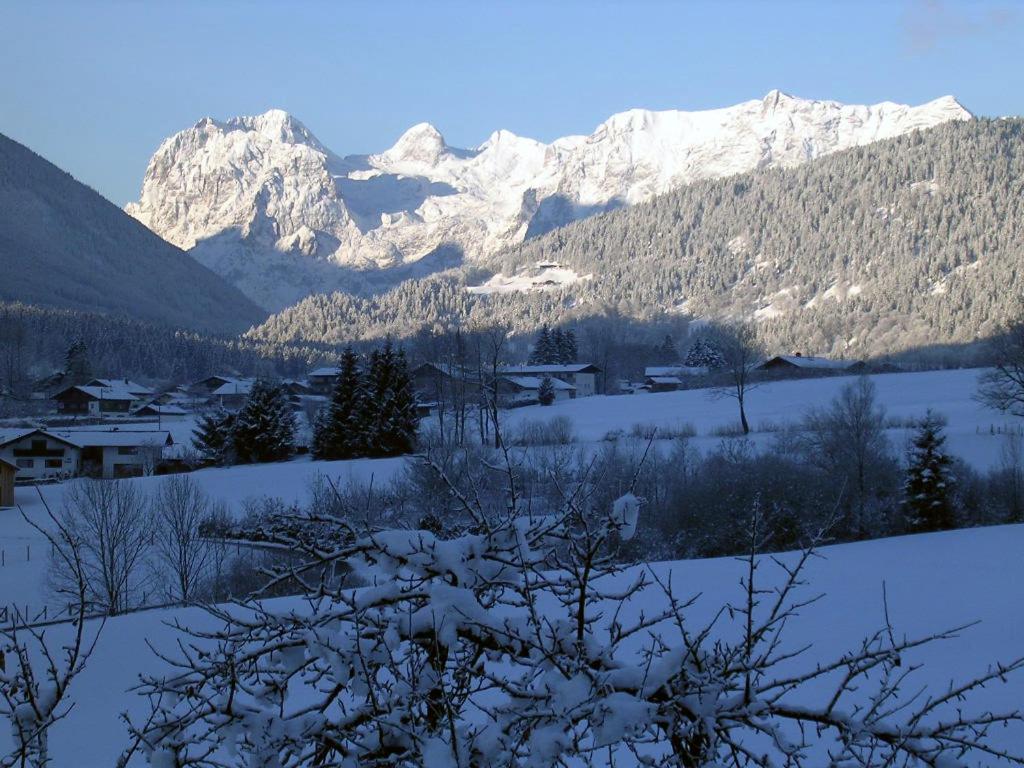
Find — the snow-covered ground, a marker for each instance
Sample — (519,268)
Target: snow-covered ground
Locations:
(24,550)
(933,582)
(975,432)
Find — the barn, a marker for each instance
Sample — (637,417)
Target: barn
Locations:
(7,473)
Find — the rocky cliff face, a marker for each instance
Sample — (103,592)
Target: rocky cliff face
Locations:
(263,203)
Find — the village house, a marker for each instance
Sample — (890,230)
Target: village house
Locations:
(525,390)
(442,383)
(40,455)
(669,378)
(798,364)
(84,400)
(228,392)
(7,473)
(116,453)
(582,376)
(141,391)
(322,380)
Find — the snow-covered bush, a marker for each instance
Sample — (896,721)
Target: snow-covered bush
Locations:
(522,643)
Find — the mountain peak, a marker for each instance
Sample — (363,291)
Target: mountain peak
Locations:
(277,126)
(422,143)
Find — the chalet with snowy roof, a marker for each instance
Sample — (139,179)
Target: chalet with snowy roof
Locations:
(525,390)
(228,392)
(322,380)
(582,376)
(40,455)
(116,453)
(85,400)
(155,409)
(140,391)
(669,378)
(809,365)
(436,383)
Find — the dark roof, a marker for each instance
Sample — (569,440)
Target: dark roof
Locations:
(31,432)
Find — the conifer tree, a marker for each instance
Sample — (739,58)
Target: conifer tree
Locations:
(704,354)
(391,420)
(264,429)
(212,437)
(558,351)
(338,432)
(572,353)
(927,504)
(541,352)
(77,367)
(667,353)
(546,393)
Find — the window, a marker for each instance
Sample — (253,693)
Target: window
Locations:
(54,463)
(26,463)
(127,450)
(39,446)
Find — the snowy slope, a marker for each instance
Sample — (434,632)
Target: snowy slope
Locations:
(933,582)
(63,245)
(262,202)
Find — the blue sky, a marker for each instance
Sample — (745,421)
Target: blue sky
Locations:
(96,86)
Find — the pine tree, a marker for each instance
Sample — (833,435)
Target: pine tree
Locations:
(541,352)
(264,429)
(572,353)
(558,350)
(926,504)
(77,366)
(667,353)
(338,431)
(391,421)
(212,437)
(704,354)
(546,393)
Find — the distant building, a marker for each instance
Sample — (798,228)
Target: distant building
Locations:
(43,455)
(40,455)
(525,390)
(141,391)
(94,401)
(322,380)
(669,378)
(158,410)
(440,383)
(582,376)
(7,473)
(116,453)
(809,364)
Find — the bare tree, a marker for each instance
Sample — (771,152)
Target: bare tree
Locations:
(742,352)
(1002,388)
(106,521)
(179,508)
(35,675)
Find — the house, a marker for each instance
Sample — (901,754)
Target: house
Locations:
(809,365)
(157,410)
(582,376)
(40,455)
(322,380)
(228,392)
(115,453)
(140,391)
(525,390)
(7,472)
(669,378)
(85,400)
(441,383)
(210,384)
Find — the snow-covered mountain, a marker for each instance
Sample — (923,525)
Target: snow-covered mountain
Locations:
(262,202)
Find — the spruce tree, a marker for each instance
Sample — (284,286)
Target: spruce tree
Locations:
(541,352)
(927,504)
(338,432)
(667,353)
(558,350)
(264,429)
(77,367)
(703,354)
(212,437)
(391,422)
(572,353)
(546,393)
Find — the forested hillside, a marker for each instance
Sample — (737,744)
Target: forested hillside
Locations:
(63,245)
(909,242)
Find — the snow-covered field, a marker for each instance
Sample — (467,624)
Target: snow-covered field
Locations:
(933,582)
(973,430)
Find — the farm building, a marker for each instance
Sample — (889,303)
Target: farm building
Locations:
(94,401)
(582,376)
(525,390)
(808,364)
(322,379)
(117,453)
(7,473)
(669,378)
